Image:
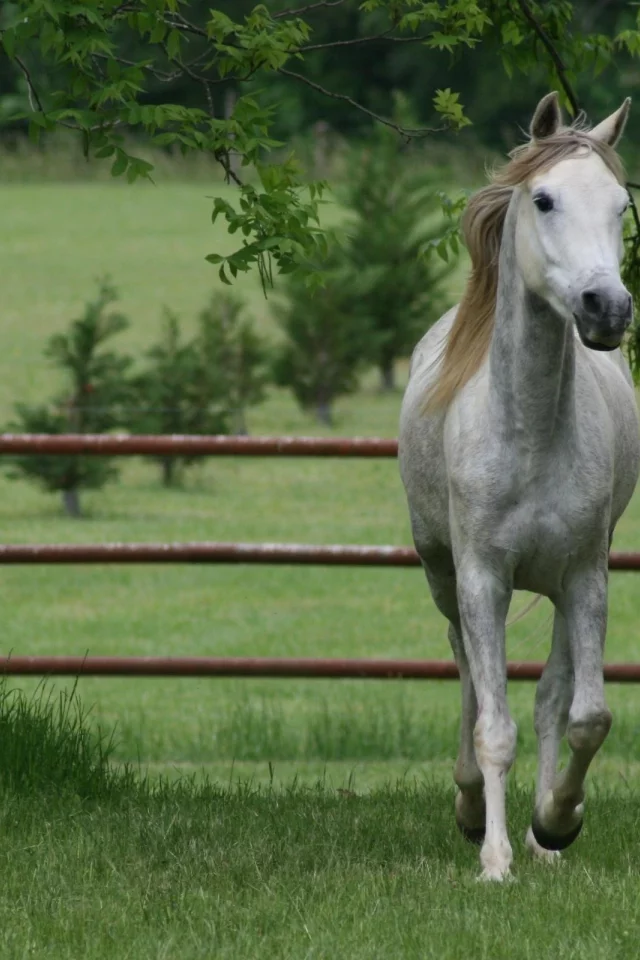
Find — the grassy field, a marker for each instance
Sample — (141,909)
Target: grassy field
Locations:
(252,856)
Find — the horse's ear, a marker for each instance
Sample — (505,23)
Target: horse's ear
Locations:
(611,129)
(547,119)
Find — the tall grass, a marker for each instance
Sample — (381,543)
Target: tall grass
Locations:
(48,744)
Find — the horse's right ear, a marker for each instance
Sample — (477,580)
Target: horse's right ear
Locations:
(547,119)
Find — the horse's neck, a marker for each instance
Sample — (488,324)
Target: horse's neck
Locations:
(531,360)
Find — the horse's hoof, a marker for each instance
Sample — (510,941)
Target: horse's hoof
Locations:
(554,841)
(474,835)
(539,853)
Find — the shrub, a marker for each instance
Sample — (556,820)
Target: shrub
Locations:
(328,339)
(94,400)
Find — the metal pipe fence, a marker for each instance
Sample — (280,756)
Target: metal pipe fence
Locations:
(237,553)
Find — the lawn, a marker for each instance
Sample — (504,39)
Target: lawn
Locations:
(368,863)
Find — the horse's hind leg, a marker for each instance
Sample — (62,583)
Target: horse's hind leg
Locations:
(558,814)
(470,808)
(553,699)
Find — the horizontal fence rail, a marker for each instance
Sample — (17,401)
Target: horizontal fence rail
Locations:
(293,554)
(302,668)
(108,445)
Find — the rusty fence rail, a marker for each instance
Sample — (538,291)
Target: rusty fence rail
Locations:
(110,445)
(272,554)
(245,553)
(301,668)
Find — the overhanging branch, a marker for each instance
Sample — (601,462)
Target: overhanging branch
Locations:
(556,59)
(407,132)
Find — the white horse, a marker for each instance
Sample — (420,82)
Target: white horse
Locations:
(519,452)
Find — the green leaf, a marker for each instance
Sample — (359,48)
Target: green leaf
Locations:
(173,44)
(120,164)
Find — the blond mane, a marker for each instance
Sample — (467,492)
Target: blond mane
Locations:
(482,226)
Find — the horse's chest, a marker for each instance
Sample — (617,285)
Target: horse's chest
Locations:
(542,526)
(536,517)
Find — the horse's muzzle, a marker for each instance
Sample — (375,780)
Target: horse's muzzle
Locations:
(602,316)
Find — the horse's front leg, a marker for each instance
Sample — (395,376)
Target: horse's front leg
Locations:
(484,601)
(557,818)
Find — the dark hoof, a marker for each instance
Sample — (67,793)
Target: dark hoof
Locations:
(472,834)
(554,841)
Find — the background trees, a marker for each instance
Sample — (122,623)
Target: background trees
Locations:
(167,72)
(327,336)
(394,221)
(266,90)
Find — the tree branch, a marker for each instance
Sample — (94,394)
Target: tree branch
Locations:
(34,100)
(403,131)
(181,23)
(344,43)
(561,70)
(311,6)
(350,43)
(156,74)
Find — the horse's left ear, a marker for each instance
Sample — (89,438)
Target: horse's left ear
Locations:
(547,118)
(611,129)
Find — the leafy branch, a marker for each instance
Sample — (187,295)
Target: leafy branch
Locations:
(556,59)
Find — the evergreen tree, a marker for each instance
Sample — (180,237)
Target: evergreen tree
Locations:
(93,401)
(228,343)
(176,393)
(328,339)
(395,217)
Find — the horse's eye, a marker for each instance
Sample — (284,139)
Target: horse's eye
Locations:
(543,202)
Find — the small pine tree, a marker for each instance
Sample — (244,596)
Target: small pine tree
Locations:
(393,221)
(93,401)
(228,343)
(328,339)
(177,394)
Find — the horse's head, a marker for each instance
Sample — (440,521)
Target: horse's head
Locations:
(569,224)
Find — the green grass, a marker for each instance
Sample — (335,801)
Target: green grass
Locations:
(268,818)
(99,863)
(304,873)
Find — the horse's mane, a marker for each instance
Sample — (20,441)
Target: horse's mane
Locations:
(482,226)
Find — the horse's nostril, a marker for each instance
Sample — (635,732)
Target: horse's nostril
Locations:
(592,302)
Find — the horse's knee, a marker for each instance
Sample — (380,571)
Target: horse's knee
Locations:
(468,776)
(588,729)
(495,741)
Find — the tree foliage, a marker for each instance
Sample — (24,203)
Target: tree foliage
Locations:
(328,339)
(93,67)
(94,399)
(202,385)
(175,393)
(161,69)
(229,344)
(394,222)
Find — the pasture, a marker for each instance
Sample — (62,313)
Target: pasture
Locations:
(279,818)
